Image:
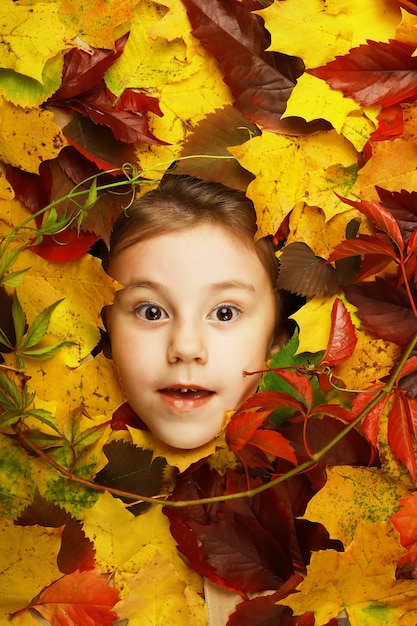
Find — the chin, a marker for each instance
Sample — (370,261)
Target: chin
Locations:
(187,442)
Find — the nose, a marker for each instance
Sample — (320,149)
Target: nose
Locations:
(187,344)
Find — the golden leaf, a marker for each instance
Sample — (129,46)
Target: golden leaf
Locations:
(352,495)
(28,92)
(361,581)
(30,36)
(328,29)
(314,321)
(27,564)
(149,63)
(289,170)
(28,137)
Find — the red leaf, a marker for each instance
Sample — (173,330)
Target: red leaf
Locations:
(78,598)
(127,126)
(136,101)
(403,206)
(370,423)
(342,340)
(399,437)
(274,443)
(390,124)
(363,244)
(242,427)
(65,246)
(374,73)
(261,82)
(264,611)
(301,385)
(379,216)
(83,69)
(272,400)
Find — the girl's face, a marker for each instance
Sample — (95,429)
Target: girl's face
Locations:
(197,311)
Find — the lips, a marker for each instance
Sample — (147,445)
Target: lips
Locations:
(185,398)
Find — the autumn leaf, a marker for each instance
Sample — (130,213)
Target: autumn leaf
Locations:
(30,36)
(342,339)
(312,161)
(79,597)
(353,495)
(260,81)
(353,579)
(375,73)
(19,137)
(327,31)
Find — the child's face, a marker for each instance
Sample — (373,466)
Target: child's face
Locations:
(196,312)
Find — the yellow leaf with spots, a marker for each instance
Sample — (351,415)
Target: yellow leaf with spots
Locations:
(31,35)
(289,170)
(27,564)
(95,21)
(358,129)
(360,581)
(28,137)
(149,63)
(329,28)
(351,495)
(371,360)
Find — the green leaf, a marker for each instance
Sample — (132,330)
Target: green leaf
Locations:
(39,327)
(5,341)
(7,259)
(13,279)
(19,319)
(45,352)
(46,417)
(11,389)
(90,435)
(10,417)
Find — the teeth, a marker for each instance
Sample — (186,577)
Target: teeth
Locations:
(187,389)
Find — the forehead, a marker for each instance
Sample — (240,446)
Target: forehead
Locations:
(202,253)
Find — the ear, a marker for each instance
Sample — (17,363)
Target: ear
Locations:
(278,341)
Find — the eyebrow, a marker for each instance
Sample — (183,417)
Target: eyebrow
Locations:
(217,287)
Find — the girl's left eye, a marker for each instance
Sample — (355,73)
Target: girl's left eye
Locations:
(225,313)
(151,312)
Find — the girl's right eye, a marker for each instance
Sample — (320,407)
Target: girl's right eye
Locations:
(151,312)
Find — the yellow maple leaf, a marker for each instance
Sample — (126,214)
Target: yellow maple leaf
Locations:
(27,564)
(28,136)
(312,99)
(352,495)
(289,170)
(124,543)
(148,63)
(360,580)
(328,29)
(95,21)
(30,36)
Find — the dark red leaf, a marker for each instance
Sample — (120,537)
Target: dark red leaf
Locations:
(137,101)
(384,309)
(42,512)
(399,436)
(272,400)
(6,320)
(98,144)
(409,5)
(370,422)
(403,206)
(375,73)
(125,416)
(262,611)
(241,428)
(83,69)
(363,244)
(261,82)
(132,469)
(304,273)
(32,190)
(102,108)
(342,340)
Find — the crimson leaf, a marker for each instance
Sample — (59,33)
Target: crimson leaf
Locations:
(375,73)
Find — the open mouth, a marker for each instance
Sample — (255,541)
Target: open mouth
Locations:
(186,398)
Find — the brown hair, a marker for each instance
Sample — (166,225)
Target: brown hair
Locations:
(182,201)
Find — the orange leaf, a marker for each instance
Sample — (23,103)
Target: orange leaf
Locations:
(342,341)
(78,598)
(242,427)
(274,443)
(399,437)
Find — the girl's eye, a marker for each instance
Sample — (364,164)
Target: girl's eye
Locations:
(225,313)
(151,312)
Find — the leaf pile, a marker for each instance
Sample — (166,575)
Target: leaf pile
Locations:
(304,506)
